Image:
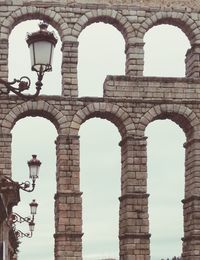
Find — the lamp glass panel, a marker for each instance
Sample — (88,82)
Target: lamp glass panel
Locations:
(41,53)
(33,170)
(31,226)
(32,52)
(33,208)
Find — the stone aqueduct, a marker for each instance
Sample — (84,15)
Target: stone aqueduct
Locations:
(130,102)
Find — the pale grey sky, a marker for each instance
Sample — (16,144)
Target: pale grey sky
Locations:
(100,153)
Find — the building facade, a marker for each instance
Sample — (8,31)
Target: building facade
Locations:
(130,102)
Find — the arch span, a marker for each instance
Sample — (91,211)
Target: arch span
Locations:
(36,108)
(111,112)
(112,17)
(31,13)
(181,115)
(181,20)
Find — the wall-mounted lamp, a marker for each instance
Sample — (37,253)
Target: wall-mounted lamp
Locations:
(16,218)
(34,166)
(41,45)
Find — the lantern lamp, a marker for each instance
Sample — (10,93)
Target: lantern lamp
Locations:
(33,207)
(31,226)
(34,166)
(41,45)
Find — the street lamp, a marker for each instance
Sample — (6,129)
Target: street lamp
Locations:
(33,206)
(34,165)
(9,191)
(16,218)
(41,45)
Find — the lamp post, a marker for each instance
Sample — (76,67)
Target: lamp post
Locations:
(41,45)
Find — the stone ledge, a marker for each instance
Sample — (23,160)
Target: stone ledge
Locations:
(190,199)
(134,236)
(134,196)
(68,235)
(141,140)
(150,79)
(67,194)
(191,237)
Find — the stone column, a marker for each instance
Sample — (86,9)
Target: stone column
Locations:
(134,223)
(68,202)
(69,69)
(134,59)
(3,61)
(5,154)
(191,203)
(5,170)
(192,62)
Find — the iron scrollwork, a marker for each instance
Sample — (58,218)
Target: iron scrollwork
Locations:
(23,84)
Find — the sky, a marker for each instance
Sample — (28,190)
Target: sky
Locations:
(100,44)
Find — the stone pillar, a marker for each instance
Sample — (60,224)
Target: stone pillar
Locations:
(3,61)
(134,59)
(192,62)
(134,223)
(5,154)
(191,203)
(69,69)
(68,202)
(3,58)
(5,170)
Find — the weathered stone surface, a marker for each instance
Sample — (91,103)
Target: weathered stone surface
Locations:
(130,102)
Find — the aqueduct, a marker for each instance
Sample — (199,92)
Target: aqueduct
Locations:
(130,101)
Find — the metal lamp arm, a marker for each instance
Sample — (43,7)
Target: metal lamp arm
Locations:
(17,218)
(23,186)
(24,83)
(20,234)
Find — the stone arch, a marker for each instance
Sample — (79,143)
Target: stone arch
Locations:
(180,114)
(29,13)
(111,112)
(35,108)
(181,20)
(112,17)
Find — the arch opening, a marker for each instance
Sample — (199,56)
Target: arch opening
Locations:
(98,53)
(100,183)
(165,155)
(178,119)
(112,113)
(27,140)
(41,109)
(165,50)
(19,63)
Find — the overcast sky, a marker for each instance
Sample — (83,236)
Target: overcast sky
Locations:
(100,44)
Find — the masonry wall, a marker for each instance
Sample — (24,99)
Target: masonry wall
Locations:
(130,102)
